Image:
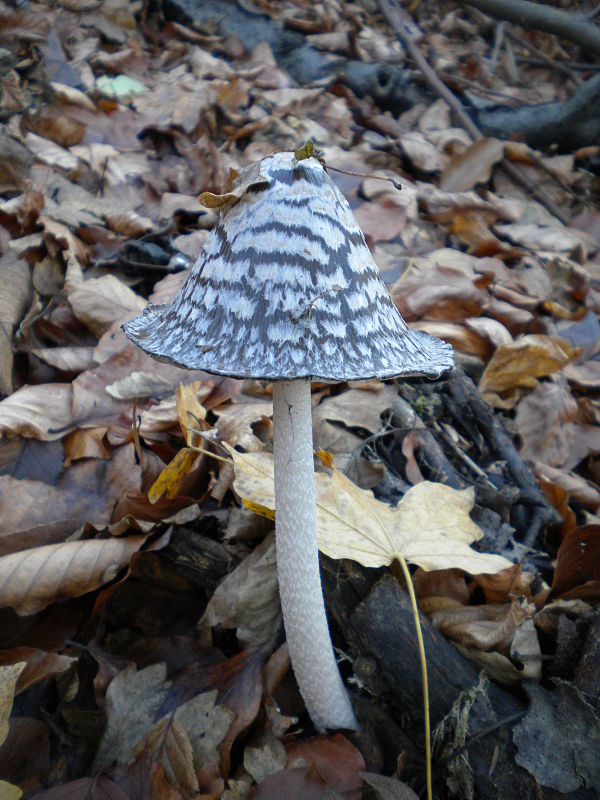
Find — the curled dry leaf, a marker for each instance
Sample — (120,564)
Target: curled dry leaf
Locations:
(98,302)
(577,571)
(472,166)
(33,579)
(334,758)
(39,665)
(248,599)
(542,421)
(430,526)
(579,489)
(9,675)
(16,289)
(40,412)
(242,181)
(519,364)
(169,743)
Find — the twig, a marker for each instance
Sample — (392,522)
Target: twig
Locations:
(401,24)
(484,732)
(549,62)
(536,16)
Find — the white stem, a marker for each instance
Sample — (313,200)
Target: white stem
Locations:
(300,589)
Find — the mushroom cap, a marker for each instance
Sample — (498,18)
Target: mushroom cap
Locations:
(286,288)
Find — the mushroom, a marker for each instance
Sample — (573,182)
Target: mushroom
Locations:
(286,290)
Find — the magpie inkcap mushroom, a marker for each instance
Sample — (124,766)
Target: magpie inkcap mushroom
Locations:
(286,290)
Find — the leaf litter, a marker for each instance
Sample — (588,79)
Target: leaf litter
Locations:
(116,523)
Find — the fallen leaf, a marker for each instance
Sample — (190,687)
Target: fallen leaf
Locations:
(15,275)
(577,571)
(9,675)
(169,744)
(98,302)
(35,578)
(133,699)
(558,740)
(41,412)
(388,788)
(97,788)
(430,526)
(542,419)
(472,166)
(558,238)
(579,489)
(9,792)
(243,180)
(421,153)
(519,364)
(168,483)
(334,759)
(39,665)
(248,599)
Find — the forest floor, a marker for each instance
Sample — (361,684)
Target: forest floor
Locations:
(143,654)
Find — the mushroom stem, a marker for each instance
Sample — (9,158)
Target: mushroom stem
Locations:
(300,589)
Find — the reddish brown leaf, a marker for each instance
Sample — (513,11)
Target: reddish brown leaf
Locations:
(577,571)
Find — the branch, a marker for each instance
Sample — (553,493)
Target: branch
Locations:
(543,18)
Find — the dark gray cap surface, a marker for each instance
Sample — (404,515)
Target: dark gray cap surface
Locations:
(286,288)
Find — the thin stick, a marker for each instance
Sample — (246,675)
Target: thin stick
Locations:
(413,600)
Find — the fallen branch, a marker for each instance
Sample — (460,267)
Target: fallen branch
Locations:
(535,16)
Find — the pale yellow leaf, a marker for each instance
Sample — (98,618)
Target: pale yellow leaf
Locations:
(190,410)
(9,792)
(430,526)
(167,483)
(9,676)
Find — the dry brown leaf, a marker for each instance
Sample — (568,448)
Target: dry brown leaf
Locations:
(15,278)
(430,526)
(558,238)
(236,420)
(140,384)
(334,758)
(248,599)
(190,411)
(35,578)
(242,181)
(421,153)
(472,166)
(50,153)
(39,665)
(40,412)
(518,365)
(579,489)
(133,701)
(168,743)
(436,291)
(380,222)
(357,408)
(586,375)
(72,360)
(98,302)
(86,443)
(542,419)
(458,335)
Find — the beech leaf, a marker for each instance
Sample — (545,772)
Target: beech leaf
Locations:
(430,526)
(33,579)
